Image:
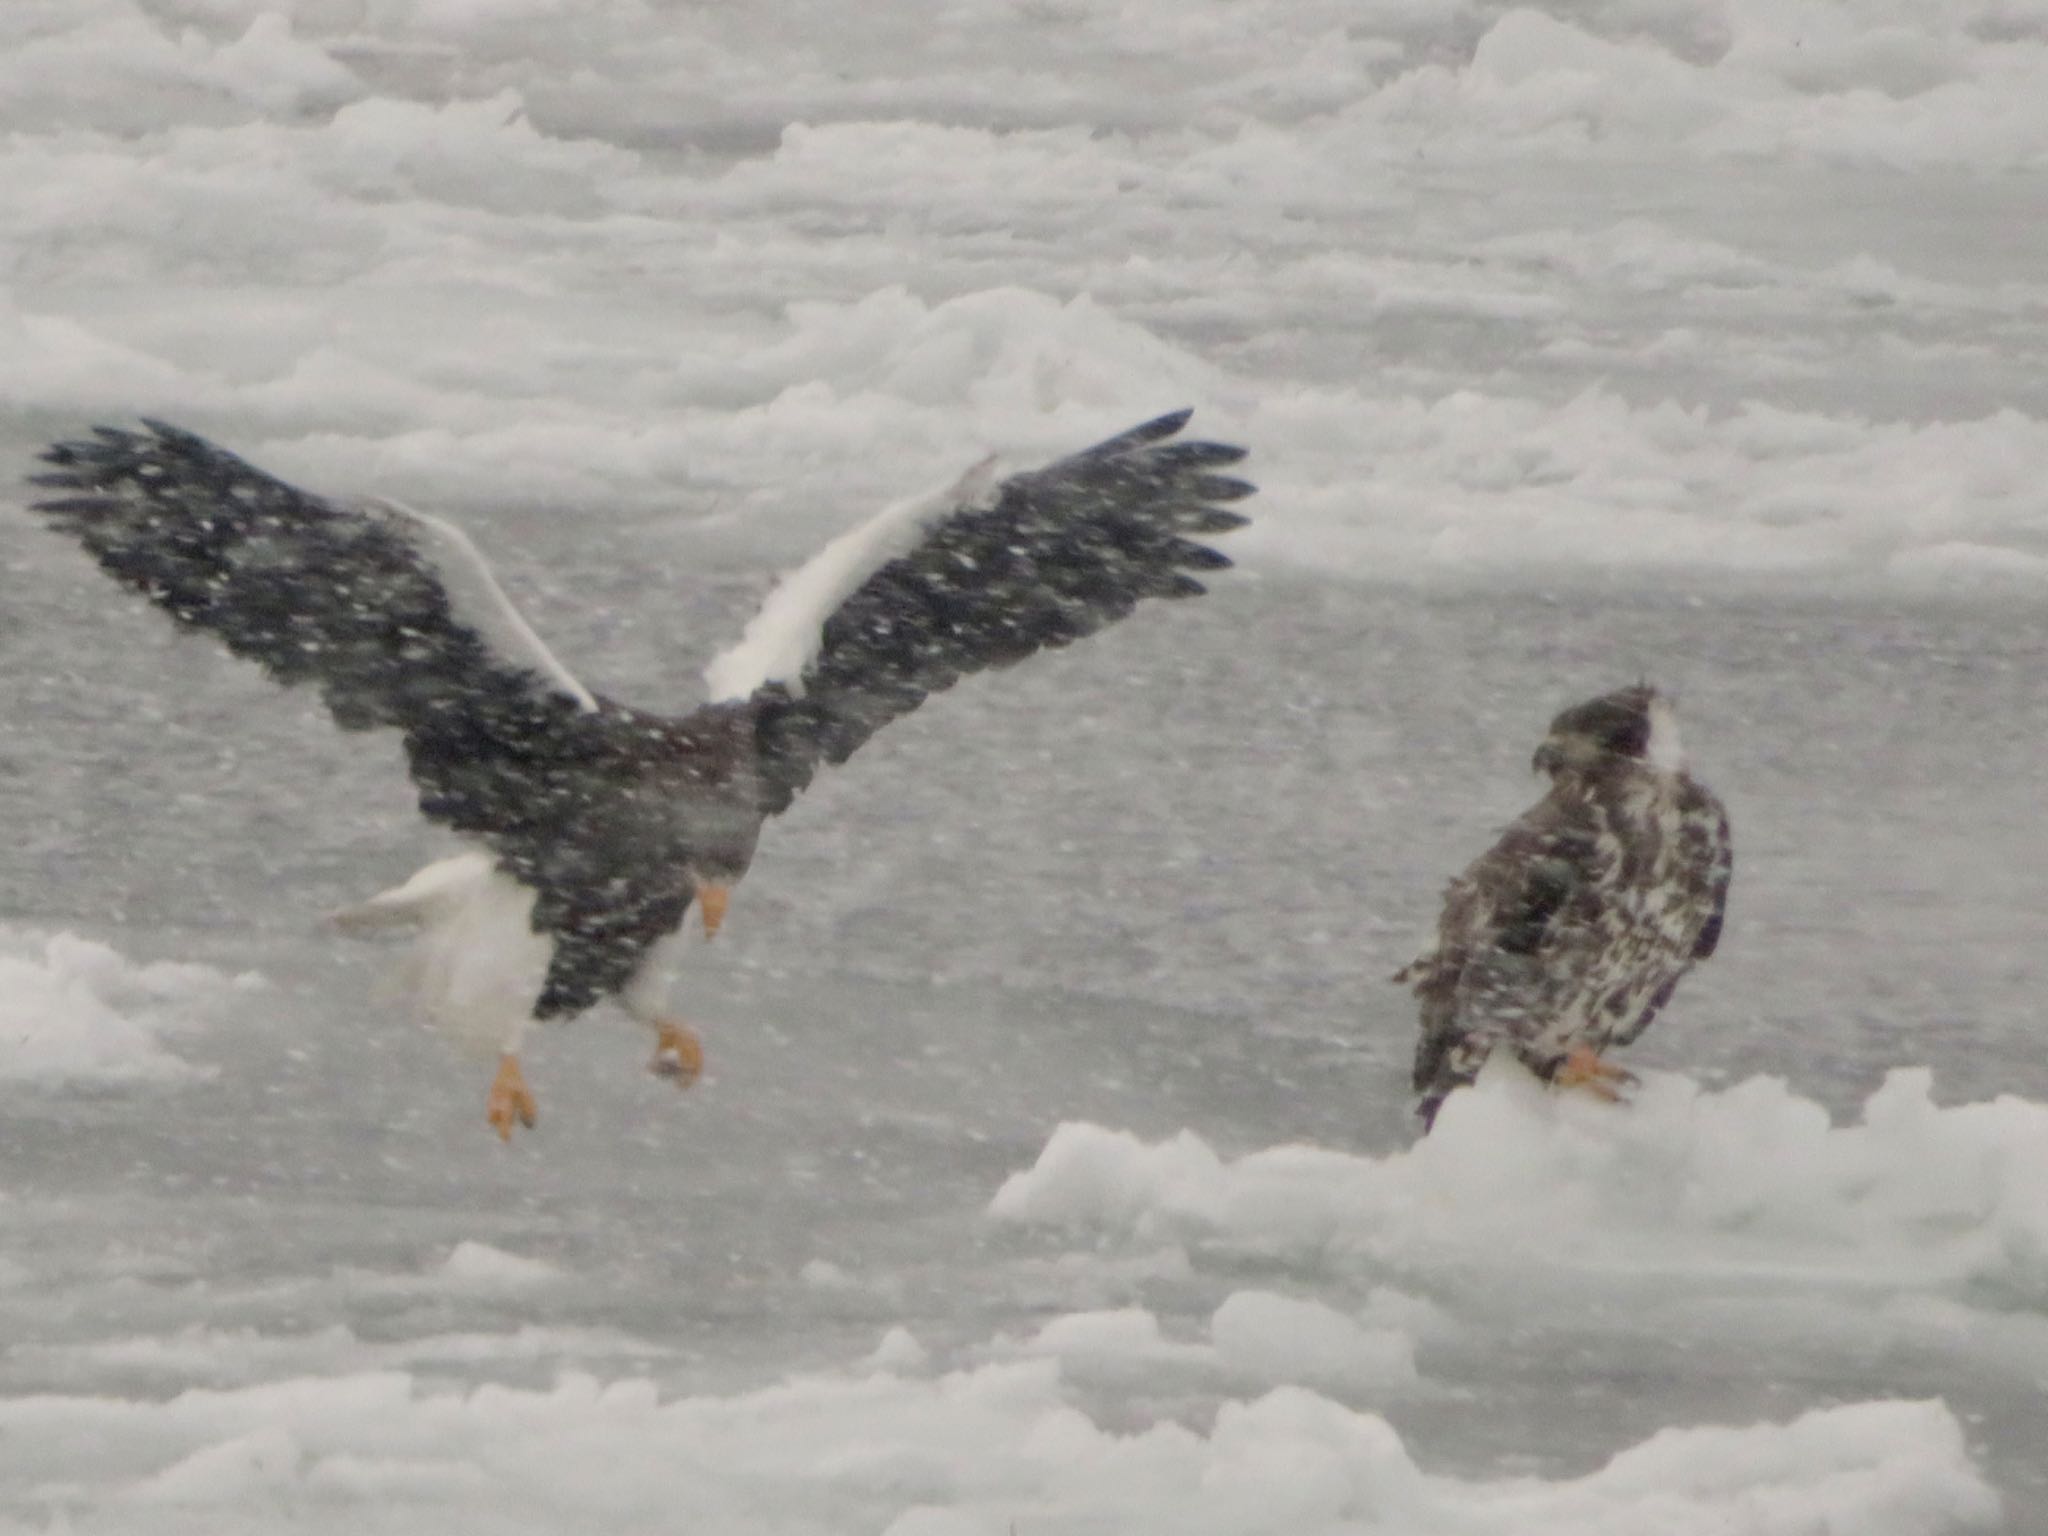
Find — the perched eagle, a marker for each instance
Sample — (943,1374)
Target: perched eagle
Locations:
(598,824)
(1571,932)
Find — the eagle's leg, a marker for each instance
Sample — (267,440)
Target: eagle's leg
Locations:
(678,1053)
(511,1100)
(1583,1067)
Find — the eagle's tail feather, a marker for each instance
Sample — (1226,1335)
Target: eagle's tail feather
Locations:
(417,902)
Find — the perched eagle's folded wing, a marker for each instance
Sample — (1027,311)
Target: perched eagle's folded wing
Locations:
(981,575)
(1499,916)
(1711,819)
(1526,908)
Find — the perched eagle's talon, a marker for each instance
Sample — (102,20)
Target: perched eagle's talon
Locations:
(678,1053)
(1583,1067)
(511,1100)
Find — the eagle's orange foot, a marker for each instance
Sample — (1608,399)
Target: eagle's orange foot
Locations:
(677,1053)
(1583,1067)
(511,1100)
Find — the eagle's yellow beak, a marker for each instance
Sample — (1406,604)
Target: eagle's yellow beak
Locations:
(711,899)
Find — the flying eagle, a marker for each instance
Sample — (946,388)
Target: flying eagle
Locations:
(1571,932)
(597,825)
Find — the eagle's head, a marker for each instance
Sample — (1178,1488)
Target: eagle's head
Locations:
(1633,726)
(713,776)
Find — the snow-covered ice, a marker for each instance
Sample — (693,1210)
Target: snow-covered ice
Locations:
(974,1453)
(74,1011)
(1054,1169)
(1548,1190)
(1522,289)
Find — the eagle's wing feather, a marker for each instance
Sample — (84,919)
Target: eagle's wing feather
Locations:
(1524,910)
(1720,870)
(394,617)
(1706,868)
(391,614)
(475,598)
(981,575)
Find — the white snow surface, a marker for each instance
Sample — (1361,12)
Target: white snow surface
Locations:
(74,1011)
(1255,1336)
(481,1266)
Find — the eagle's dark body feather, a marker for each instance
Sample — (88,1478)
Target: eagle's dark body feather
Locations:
(1575,928)
(601,809)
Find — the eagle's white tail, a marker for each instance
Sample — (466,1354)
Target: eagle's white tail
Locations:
(429,895)
(475,964)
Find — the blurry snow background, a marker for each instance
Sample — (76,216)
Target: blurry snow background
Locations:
(1054,1169)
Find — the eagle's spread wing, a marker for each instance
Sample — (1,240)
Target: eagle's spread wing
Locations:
(391,614)
(396,620)
(980,575)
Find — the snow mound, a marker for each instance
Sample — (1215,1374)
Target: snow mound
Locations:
(841,381)
(1473,484)
(74,1011)
(1256,1338)
(1281,1339)
(1840,84)
(481,153)
(480,1267)
(1684,1181)
(199,1355)
(999,1447)
(912,164)
(898,1351)
(117,70)
(60,361)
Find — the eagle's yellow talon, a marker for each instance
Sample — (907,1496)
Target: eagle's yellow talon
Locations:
(511,1101)
(1583,1067)
(678,1053)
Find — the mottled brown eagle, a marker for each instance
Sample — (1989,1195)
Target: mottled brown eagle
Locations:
(1570,933)
(595,825)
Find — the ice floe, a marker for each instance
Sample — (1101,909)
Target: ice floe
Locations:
(1685,1181)
(980,1451)
(75,1011)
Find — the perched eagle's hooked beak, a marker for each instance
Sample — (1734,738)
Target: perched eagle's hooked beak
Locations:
(1548,759)
(711,899)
